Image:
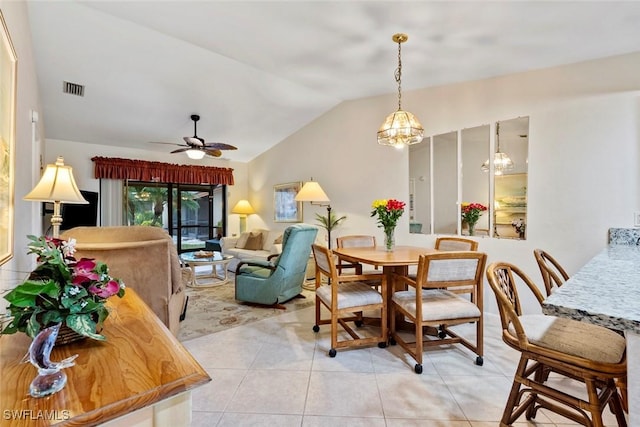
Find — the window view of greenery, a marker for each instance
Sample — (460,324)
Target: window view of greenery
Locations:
(192,214)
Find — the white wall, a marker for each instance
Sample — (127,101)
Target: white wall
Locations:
(27,154)
(583,156)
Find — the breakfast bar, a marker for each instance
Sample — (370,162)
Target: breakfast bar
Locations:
(140,376)
(606,292)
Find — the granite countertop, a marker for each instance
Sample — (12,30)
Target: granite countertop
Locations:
(606,291)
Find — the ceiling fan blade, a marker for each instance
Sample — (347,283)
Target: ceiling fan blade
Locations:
(180,150)
(219,146)
(166,143)
(194,141)
(212,153)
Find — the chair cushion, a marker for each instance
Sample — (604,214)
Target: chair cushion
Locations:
(255,271)
(351,294)
(573,337)
(437,304)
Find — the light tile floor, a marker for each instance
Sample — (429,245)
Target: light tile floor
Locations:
(276,372)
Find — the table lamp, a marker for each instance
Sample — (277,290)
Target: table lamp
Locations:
(312,192)
(243,208)
(58,186)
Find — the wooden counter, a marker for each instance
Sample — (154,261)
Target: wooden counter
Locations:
(140,365)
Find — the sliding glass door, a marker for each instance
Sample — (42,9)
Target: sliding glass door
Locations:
(196,212)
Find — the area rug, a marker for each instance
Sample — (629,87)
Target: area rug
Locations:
(215,309)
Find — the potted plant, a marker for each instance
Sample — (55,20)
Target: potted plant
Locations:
(62,290)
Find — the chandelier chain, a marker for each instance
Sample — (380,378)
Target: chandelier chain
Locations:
(398,75)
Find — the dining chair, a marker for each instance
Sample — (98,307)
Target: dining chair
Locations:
(356,241)
(455,244)
(433,302)
(346,297)
(571,349)
(553,275)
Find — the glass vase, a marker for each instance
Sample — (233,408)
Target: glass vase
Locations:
(472,229)
(389,238)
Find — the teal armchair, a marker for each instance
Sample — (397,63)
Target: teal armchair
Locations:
(279,279)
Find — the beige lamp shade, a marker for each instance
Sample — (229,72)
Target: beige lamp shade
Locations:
(243,207)
(57,185)
(311,192)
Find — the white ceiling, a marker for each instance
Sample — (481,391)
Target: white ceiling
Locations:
(258,71)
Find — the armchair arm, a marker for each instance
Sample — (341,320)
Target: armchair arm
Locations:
(228,242)
(406,280)
(272,256)
(255,263)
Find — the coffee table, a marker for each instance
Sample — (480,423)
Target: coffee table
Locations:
(216,261)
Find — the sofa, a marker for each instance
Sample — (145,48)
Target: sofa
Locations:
(145,258)
(254,244)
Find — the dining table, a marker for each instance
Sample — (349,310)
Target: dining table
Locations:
(606,292)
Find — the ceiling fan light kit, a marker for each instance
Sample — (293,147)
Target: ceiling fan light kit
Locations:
(195,154)
(196,148)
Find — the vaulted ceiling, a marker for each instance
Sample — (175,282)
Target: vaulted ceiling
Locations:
(258,71)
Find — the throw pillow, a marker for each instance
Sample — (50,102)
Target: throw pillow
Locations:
(242,240)
(254,242)
(278,240)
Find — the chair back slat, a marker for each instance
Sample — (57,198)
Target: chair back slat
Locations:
(446,269)
(503,279)
(324,260)
(553,275)
(356,241)
(455,244)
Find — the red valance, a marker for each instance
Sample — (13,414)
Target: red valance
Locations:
(142,170)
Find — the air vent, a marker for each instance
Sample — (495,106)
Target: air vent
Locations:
(73,88)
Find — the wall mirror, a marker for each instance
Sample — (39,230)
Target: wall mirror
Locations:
(456,167)
(445,183)
(475,181)
(510,182)
(420,187)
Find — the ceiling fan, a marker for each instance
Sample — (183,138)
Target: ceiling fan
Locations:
(197,148)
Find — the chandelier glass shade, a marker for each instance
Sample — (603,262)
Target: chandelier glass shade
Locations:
(400,127)
(501,161)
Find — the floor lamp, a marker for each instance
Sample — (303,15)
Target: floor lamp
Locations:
(243,208)
(312,192)
(58,186)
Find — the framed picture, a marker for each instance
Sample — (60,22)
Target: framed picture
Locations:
(8,61)
(285,207)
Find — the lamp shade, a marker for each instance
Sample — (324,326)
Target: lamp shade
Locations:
(243,207)
(57,185)
(311,192)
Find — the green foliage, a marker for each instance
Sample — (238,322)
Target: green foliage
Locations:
(61,289)
(330,222)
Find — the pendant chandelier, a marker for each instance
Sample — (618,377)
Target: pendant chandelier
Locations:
(400,127)
(501,162)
